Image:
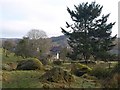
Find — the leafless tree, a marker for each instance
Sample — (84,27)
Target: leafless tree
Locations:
(36,34)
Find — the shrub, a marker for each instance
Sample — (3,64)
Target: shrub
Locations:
(80,69)
(100,72)
(29,64)
(12,65)
(112,82)
(6,67)
(44,61)
(47,67)
(57,62)
(57,75)
(89,77)
(45,85)
(116,69)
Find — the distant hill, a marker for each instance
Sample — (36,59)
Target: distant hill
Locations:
(116,49)
(2,40)
(62,41)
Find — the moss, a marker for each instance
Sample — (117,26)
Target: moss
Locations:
(29,64)
(80,69)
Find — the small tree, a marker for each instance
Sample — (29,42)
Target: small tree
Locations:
(90,33)
(40,41)
(8,46)
(33,45)
(23,49)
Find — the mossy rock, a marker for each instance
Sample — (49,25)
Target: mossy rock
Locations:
(29,64)
(57,75)
(80,69)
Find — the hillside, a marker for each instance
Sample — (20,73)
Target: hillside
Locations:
(116,49)
(62,41)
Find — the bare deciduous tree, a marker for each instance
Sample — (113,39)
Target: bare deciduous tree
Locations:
(36,34)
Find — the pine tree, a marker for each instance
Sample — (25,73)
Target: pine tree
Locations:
(89,34)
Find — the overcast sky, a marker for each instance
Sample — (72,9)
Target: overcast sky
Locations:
(17,17)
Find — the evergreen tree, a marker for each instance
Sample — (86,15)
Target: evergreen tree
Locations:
(89,34)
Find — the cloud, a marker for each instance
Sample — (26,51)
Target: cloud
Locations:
(20,16)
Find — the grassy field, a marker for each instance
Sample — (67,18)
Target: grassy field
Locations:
(31,79)
(21,79)
(11,58)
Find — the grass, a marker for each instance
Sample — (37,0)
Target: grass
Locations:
(21,79)
(11,58)
(30,79)
(85,83)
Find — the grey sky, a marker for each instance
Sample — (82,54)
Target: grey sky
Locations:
(17,17)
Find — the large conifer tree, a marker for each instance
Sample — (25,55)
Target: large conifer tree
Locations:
(90,34)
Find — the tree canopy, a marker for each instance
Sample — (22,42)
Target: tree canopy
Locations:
(90,33)
(33,45)
(36,34)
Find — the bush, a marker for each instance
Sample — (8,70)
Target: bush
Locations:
(47,67)
(44,62)
(86,76)
(57,75)
(57,62)
(112,82)
(12,65)
(29,64)
(101,73)
(116,69)
(45,85)
(80,69)
(6,67)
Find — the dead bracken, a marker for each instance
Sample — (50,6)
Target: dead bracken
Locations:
(57,75)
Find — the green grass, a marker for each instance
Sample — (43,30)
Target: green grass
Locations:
(85,83)
(12,58)
(21,79)
(103,65)
(30,79)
